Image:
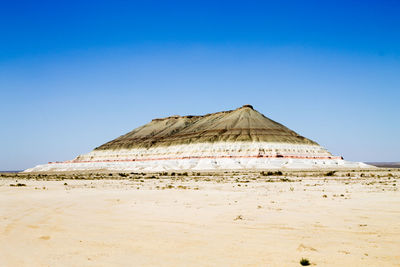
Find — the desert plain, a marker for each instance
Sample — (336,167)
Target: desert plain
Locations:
(330,218)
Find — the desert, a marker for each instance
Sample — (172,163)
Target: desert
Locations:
(199,133)
(226,218)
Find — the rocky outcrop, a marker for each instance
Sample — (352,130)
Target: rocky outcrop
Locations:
(240,125)
(238,139)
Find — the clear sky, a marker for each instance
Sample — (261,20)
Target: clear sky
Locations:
(75,74)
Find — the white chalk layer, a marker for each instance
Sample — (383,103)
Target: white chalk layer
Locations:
(201,164)
(189,157)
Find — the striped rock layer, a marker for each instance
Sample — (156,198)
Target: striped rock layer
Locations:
(238,139)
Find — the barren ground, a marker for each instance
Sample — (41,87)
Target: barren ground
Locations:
(349,218)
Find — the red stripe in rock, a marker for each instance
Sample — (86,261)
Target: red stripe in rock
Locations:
(203,157)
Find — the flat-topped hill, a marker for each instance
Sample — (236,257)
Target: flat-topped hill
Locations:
(242,124)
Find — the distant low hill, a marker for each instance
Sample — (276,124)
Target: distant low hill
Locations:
(385,164)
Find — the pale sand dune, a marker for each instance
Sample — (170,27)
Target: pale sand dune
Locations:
(259,223)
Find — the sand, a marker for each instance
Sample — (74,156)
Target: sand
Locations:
(225,219)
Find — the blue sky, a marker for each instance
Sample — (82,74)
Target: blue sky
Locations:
(75,74)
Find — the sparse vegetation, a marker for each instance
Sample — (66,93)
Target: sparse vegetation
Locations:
(239,217)
(18,184)
(182,187)
(304,262)
(330,173)
(277,173)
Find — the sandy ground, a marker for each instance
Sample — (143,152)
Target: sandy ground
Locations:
(208,220)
